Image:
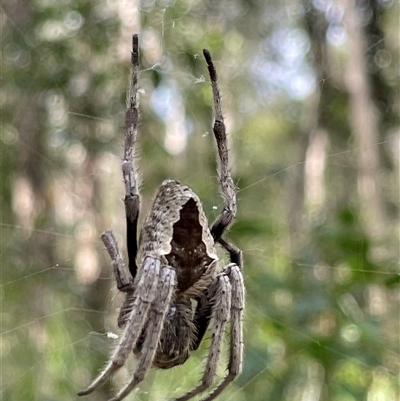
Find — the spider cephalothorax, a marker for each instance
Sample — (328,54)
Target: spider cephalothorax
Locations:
(175,288)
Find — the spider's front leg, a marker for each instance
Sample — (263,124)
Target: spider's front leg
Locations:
(235,364)
(224,300)
(144,294)
(156,317)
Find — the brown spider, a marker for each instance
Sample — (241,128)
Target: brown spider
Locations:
(175,288)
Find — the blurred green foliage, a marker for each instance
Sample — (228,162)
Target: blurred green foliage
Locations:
(322,318)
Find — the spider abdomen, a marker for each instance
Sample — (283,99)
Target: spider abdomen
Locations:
(177,229)
(188,254)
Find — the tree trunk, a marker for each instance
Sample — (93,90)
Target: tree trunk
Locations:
(364,121)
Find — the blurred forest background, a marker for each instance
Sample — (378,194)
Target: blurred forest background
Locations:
(311,99)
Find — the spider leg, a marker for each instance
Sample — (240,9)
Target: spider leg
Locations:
(156,317)
(227,186)
(235,254)
(129,170)
(221,306)
(144,295)
(201,319)
(236,330)
(202,315)
(123,279)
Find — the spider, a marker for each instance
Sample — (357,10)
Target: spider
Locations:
(175,288)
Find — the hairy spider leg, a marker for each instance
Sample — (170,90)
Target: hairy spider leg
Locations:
(226,301)
(225,297)
(227,186)
(221,298)
(129,169)
(202,314)
(146,292)
(235,364)
(122,277)
(158,310)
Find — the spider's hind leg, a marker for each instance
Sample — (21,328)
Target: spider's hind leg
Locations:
(129,169)
(235,254)
(227,186)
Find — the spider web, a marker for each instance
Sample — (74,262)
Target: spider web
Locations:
(57,290)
